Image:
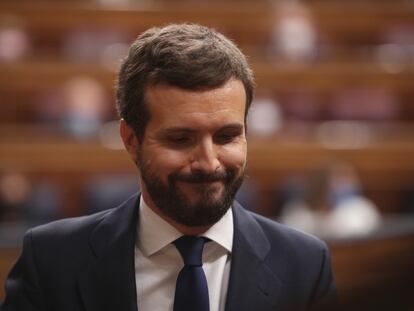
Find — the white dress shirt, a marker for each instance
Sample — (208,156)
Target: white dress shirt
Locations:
(158,262)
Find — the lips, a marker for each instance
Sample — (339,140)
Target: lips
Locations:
(202,187)
(202,178)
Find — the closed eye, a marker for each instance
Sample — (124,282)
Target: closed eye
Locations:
(228,135)
(179,138)
(184,140)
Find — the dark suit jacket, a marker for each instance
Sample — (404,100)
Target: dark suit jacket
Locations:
(87,264)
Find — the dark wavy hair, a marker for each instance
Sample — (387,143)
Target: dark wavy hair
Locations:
(187,56)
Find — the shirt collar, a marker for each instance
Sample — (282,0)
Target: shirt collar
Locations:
(154,233)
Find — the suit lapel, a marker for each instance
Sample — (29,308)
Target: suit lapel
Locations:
(108,283)
(252,285)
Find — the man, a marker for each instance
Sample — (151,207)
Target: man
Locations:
(183,95)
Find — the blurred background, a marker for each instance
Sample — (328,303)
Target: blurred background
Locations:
(331,131)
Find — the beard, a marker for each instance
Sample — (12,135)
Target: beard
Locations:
(207,209)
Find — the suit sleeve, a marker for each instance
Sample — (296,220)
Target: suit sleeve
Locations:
(325,295)
(22,284)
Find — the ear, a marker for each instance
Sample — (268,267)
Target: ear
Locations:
(129,139)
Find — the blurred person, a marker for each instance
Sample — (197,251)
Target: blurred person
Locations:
(105,192)
(14,41)
(294,37)
(22,201)
(364,104)
(95,45)
(49,107)
(265,118)
(331,204)
(395,53)
(79,107)
(302,106)
(85,107)
(183,95)
(14,192)
(45,203)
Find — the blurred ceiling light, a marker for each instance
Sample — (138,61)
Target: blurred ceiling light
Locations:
(343,134)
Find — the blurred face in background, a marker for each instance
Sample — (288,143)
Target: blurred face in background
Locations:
(193,154)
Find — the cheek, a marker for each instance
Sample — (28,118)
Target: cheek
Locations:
(234,156)
(164,161)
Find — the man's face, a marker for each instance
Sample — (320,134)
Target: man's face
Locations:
(193,154)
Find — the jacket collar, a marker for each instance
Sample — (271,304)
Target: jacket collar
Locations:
(108,283)
(252,285)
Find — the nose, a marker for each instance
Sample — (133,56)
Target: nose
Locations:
(205,157)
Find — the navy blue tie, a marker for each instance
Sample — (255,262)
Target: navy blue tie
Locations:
(191,292)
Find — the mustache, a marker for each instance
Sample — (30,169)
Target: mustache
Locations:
(200,177)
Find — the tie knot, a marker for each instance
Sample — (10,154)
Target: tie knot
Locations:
(191,249)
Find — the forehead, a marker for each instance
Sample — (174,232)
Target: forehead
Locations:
(172,106)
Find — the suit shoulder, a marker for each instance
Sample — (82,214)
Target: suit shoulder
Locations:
(79,225)
(288,236)
(69,225)
(303,257)
(66,233)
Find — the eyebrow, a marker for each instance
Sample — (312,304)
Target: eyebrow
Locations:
(178,129)
(233,126)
